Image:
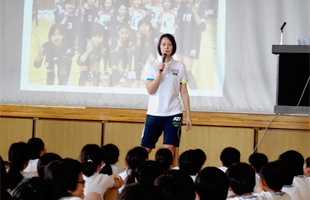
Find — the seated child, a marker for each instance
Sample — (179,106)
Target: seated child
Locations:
(228,157)
(37,149)
(165,158)
(148,171)
(44,161)
(257,161)
(110,158)
(189,163)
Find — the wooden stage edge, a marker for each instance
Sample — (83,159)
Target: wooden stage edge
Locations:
(292,122)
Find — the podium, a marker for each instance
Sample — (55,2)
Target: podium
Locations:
(293,74)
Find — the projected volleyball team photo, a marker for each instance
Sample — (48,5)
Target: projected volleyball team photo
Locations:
(107,43)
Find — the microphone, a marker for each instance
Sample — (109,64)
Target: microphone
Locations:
(282,27)
(164,58)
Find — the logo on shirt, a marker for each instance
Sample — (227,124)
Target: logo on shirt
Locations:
(175,71)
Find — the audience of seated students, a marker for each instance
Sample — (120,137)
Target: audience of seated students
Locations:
(110,158)
(165,158)
(241,177)
(134,157)
(138,191)
(211,183)
(189,162)
(33,189)
(148,171)
(105,185)
(296,161)
(176,185)
(307,168)
(44,161)
(37,149)
(272,179)
(257,161)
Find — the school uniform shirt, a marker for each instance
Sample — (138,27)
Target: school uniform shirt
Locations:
(156,10)
(136,16)
(70,198)
(169,22)
(166,100)
(32,166)
(257,180)
(90,16)
(95,56)
(104,19)
(274,195)
(229,193)
(224,169)
(72,25)
(176,168)
(98,183)
(292,191)
(248,197)
(115,22)
(308,179)
(302,183)
(193,177)
(124,176)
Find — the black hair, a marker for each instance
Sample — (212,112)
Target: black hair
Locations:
(176,185)
(60,27)
(148,171)
(35,146)
(91,157)
(307,162)
(230,156)
(241,178)
(212,183)
(3,175)
(63,176)
(44,161)
(273,173)
(110,156)
(138,191)
(172,40)
(33,189)
(95,29)
(18,156)
(295,159)
(165,158)
(258,160)
(202,157)
(134,157)
(172,2)
(288,175)
(145,21)
(189,162)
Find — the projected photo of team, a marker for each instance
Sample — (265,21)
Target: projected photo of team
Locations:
(106,43)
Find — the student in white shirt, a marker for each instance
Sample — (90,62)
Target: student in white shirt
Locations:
(296,161)
(110,158)
(257,161)
(272,180)
(211,183)
(37,149)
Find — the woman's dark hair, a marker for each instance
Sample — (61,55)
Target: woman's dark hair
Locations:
(18,157)
(33,189)
(3,175)
(60,27)
(35,146)
(110,157)
(165,158)
(44,161)
(134,157)
(63,176)
(91,157)
(172,40)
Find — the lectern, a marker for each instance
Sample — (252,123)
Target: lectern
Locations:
(293,74)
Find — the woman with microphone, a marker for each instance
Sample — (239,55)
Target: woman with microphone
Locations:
(166,78)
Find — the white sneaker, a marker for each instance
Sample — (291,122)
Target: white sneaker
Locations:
(122,80)
(135,84)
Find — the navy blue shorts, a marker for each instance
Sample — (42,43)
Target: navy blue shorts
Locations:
(154,127)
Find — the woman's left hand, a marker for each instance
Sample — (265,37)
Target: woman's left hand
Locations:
(188,123)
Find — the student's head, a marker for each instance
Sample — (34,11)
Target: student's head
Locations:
(189,162)
(272,176)
(138,191)
(145,26)
(65,178)
(70,6)
(18,157)
(307,167)
(148,171)
(108,5)
(241,178)
(168,5)
(109,156)
(166,44)
(123,32)
(33,189)
(295,159)
(136,3)
(133,158)
(91,157)
(176,185)
(230,156)
(57,33)
(122,10)
(154,2)
(91,2)
(202,157)
(36,148)
(44,161)
(165,158)
(212,183)
(96,33)
(258,160)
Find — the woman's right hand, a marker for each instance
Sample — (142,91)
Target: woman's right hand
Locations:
(161,67)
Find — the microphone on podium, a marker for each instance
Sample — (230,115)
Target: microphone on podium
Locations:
(164,58)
